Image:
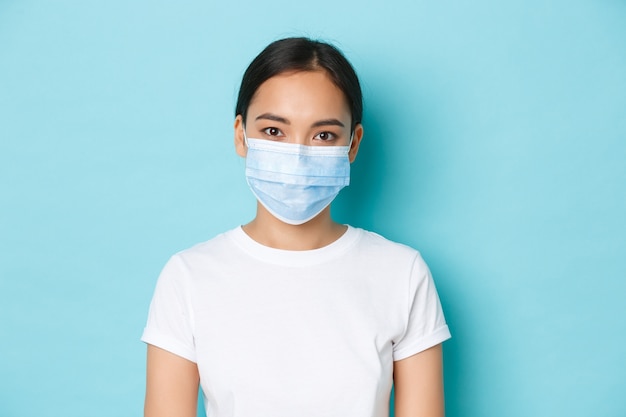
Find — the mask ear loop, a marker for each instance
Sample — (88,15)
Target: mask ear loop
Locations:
(350,143)
(245,138)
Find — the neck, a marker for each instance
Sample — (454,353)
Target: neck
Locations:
(314,234)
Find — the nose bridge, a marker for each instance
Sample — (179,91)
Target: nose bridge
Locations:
(298,135)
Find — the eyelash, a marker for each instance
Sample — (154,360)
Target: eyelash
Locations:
(268,129)
(278,133)
(331,134)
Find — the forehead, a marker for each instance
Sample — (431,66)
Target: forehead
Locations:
(299,95)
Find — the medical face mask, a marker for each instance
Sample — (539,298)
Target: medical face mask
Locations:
(295,182)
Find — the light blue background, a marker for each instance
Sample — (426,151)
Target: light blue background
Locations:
(495,144)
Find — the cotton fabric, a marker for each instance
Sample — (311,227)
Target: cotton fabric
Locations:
(296,333)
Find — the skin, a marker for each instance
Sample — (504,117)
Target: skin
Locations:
(308,109)
(305,103)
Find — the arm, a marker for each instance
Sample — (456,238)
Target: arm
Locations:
(172,385)
(418,384)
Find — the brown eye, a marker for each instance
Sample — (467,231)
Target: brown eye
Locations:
(272,131)
(325,136)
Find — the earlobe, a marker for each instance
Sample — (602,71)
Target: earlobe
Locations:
(240,143)
(356,142)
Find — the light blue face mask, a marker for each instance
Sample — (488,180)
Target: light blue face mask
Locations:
(295,182)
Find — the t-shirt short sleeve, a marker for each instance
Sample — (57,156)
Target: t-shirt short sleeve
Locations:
(426,325)
(170,319)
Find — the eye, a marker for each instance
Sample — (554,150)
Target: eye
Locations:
(325,136)
(273,131)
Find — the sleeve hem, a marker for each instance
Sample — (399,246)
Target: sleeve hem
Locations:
(153,337)
(436,337)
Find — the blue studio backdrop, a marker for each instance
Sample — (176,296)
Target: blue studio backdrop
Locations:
(495,143)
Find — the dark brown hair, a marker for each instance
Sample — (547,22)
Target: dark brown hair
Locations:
(301,54)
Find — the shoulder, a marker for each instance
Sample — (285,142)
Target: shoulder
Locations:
(380,249)
(193,258)
(374,242)
(219,243)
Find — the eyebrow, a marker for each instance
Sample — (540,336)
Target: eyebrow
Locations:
(276,118)
(270,116)
(328,122)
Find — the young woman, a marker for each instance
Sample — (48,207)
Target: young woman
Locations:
(294,314)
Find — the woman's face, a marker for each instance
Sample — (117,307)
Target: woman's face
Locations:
(303,107)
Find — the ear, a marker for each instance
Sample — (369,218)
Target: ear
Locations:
(356,142)
(240,142)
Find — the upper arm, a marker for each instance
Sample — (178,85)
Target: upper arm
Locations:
(171,386)
(418,384)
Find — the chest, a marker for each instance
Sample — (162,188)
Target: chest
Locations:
(314,333)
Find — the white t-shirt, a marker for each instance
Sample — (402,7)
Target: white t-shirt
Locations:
(296,333)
